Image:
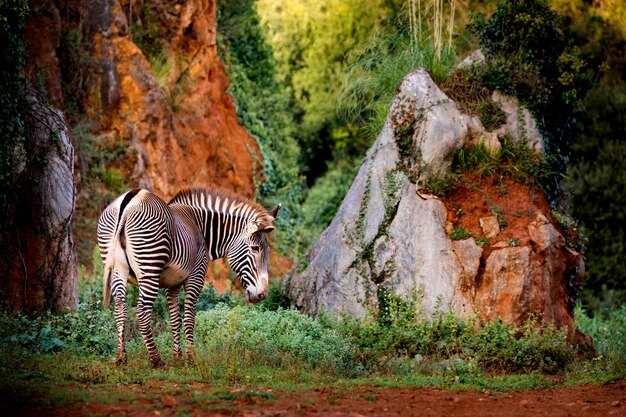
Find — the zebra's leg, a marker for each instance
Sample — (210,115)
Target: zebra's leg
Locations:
(119,295)
(193,288)
(148,290)
(175,322)
(118,289)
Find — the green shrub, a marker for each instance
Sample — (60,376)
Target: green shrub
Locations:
(264,110)
(89,330)
(277,298)
(608,330)
(401,340)
(530,56)
(228,340)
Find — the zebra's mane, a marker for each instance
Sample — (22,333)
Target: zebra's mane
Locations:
(207,197)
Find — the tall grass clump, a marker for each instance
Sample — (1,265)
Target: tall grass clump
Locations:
(608,330)
(231,341)
(415,38)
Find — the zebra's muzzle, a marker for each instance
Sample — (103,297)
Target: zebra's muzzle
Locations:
(255,298)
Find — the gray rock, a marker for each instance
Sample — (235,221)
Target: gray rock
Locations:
(388,235)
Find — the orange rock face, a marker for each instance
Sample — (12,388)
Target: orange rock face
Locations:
(178,119)
(174,115)
(528,268)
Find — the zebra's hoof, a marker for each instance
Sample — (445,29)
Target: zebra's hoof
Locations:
(158,364)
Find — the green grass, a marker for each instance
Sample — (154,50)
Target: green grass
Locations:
(513,160)
(64,359)
(376,71)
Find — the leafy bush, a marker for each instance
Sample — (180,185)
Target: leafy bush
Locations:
(89,330)
(277,298)
(264,109)
(229,339)
(530,56)
(608,330)
(400,336)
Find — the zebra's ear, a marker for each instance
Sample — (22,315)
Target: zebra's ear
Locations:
(274,213)
(264,224)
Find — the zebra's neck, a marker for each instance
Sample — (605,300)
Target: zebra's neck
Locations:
(220,229)
(220,215)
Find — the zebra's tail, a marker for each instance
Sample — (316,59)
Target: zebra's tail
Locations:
(108,271)
(109,264)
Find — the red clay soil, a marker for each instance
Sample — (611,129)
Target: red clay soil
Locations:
(586,400)
(477,197)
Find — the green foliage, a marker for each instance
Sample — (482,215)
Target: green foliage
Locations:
(311,40)
(101,181)
(277,298)
(77,73)
(607,328)
(460,233)
(530,56)
(231,340)
(12,105)
(263,108)
(376,68)
(513,160)
(89,330)
(597,184)
(243,345)
(324,198)
(144,29)
(401,341)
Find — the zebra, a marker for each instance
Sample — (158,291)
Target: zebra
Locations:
(154,245)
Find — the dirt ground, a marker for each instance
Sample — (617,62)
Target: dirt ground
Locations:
(197,400)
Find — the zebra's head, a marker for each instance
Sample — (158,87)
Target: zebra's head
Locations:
(249,255)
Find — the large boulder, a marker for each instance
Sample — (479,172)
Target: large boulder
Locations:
(388,235)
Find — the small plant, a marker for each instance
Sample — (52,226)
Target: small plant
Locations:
(460,233)
(482,241)
(405,120)
(467,89)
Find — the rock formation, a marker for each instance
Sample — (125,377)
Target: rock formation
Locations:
(388,235)
(171,114)
(182,127)
(41,270)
